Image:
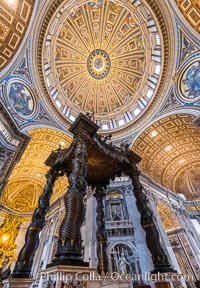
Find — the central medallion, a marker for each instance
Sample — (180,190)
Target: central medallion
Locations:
(98,64)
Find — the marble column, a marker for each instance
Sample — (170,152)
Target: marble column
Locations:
(145,258)
(89,231)
(165,239)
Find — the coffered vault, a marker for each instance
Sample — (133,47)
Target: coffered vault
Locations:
(28,177)
(170,151)
(191,12)
(14,20)
(168,218)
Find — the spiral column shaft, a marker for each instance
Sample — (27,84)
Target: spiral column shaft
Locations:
(24,262)
(159,257)
(102,267)
(69,251)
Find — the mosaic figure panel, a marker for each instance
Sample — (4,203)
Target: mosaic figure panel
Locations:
(189,84)
(21,98)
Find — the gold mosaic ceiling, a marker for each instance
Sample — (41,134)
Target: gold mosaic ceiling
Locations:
(14,19)
(103,56)
(191,11)
(170,151)
(28,177)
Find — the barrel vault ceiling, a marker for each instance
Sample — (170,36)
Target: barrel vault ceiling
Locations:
(170,151)
(191,11)
(14,19)
(28,177)
(168,218)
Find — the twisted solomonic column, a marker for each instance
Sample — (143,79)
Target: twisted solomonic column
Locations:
(24,262)
(69,251)
(102,267)
(159,257)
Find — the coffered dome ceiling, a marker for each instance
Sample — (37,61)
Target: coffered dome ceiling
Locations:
(106,57)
